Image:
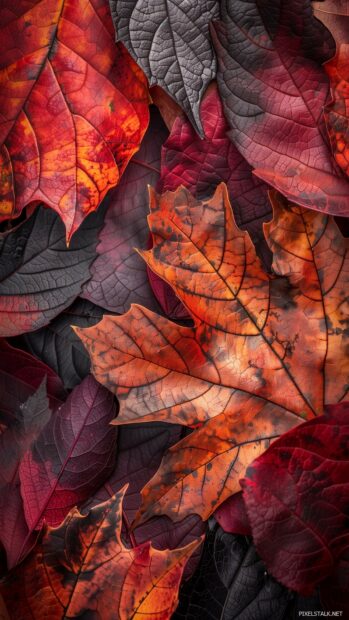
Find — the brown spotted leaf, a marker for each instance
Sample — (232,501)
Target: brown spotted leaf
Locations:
(265,351)
(82,568)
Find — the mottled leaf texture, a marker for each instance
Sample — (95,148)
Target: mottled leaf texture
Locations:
(20,375)
(39,275)
(265,352)
(337,113)
(74,107)
(232,584)
(335,15)
(274,89)
(200,165)
(16,439)
(170,41)
(82,569)
(58,345)
(139,452)
(119,276)
(71,458)
(297,495)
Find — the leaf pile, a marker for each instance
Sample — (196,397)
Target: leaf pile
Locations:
(174,313)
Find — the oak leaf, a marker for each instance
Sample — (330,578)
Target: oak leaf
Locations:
(274,89)
(170,40)
(335,15)
(265,353)
(82,567)
(74,107)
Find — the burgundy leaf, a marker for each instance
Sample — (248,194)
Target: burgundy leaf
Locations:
(20,375)
(274,90)
(200,165)
(119,275)
(72,456)
(232,516)
(18,437)
(297,499)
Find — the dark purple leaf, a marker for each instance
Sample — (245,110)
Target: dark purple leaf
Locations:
(71,458)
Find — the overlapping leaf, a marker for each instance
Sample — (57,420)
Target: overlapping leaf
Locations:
(39,276)
(335,15)
(16,439)
(83,568)
(337,112)
(297,494)
(118,275)
(71,458)
(58,345)
(232,584)
(264,354)
(274,90)
(139,452)
(74,107)
(170,41)
(20,375)
(200,165)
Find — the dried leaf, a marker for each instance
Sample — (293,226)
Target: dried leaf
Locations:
(83,568)
(265,353)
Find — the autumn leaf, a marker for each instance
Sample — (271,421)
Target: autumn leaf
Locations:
(71,458)
(170,41)
(232,516)
(74,107)
(200,165)
(297,495)
(337,112)
(139,451)
(20,376)
(58,345)
(82,567)
(31,417)
(232,584)
(265,353)
(335,15)
(118,275)
(274,89)
(39,275)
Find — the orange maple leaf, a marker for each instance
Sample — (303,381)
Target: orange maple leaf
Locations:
(82,566)
(74,107)
(265,353)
